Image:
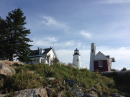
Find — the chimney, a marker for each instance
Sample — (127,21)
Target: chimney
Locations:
(38,48)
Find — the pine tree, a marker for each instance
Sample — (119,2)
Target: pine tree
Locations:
(15,39)
(3,34)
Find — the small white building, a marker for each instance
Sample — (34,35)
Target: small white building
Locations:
(43,56)
(76,59)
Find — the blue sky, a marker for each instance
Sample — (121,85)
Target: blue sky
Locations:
(71,24)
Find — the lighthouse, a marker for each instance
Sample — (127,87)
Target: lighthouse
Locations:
(76,59)
(92,55)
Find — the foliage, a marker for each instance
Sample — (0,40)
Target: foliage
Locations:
(55,61)
(122,81)
(124,69)
(13,35)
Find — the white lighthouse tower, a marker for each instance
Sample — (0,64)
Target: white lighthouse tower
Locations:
(76,59)
(92,55)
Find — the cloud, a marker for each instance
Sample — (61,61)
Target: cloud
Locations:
(49,21)
(69,43)
(86,34)
(52,39)
(115,1)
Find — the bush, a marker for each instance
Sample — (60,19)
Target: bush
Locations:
(124,69)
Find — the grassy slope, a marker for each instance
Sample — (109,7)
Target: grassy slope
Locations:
(23,80)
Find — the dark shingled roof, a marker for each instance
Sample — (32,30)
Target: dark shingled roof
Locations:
(36,52)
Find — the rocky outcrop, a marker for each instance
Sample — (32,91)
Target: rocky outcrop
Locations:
(71,82)
(11,63)
(6,70)
(38,92)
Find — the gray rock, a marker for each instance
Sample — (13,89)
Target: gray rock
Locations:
(50,78)
(38,92)
(79,94)
(75,89)
(71,82)
(87,95)
(49,86)
(2,95)
(6,70)
(11,63)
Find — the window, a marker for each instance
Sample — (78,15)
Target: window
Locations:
(100,63)
(77,59)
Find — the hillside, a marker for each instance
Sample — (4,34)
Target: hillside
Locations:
(34,76)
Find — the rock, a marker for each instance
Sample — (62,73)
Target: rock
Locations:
(116,95)
(59,94)
(38,92)
(75,89)
(6,70)
(49,86)
(62,87)
(2,95)
(11,63)
(87,95)
(50,91)
(71,82)
(94,91)
(79,94)
(50,78)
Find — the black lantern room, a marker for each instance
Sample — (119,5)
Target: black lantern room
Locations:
(76,52)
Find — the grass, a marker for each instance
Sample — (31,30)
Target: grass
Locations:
(25,80)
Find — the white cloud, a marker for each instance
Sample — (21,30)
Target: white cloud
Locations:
(69,43)
(86,34)
(49,21)
(52,39)
(115,1)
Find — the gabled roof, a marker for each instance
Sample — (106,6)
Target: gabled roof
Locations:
(36,52)
(46,50)
(100,56)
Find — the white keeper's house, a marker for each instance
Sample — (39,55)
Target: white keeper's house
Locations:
(43,56)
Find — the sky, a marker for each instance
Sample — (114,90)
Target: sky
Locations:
(69,24)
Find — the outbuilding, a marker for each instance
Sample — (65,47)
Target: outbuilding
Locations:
(99,62)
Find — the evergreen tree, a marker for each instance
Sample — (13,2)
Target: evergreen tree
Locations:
(15,39)
(3,35)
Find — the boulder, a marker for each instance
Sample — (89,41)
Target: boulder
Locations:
(6,70)
(71,82)
(11,63)
(38,92)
